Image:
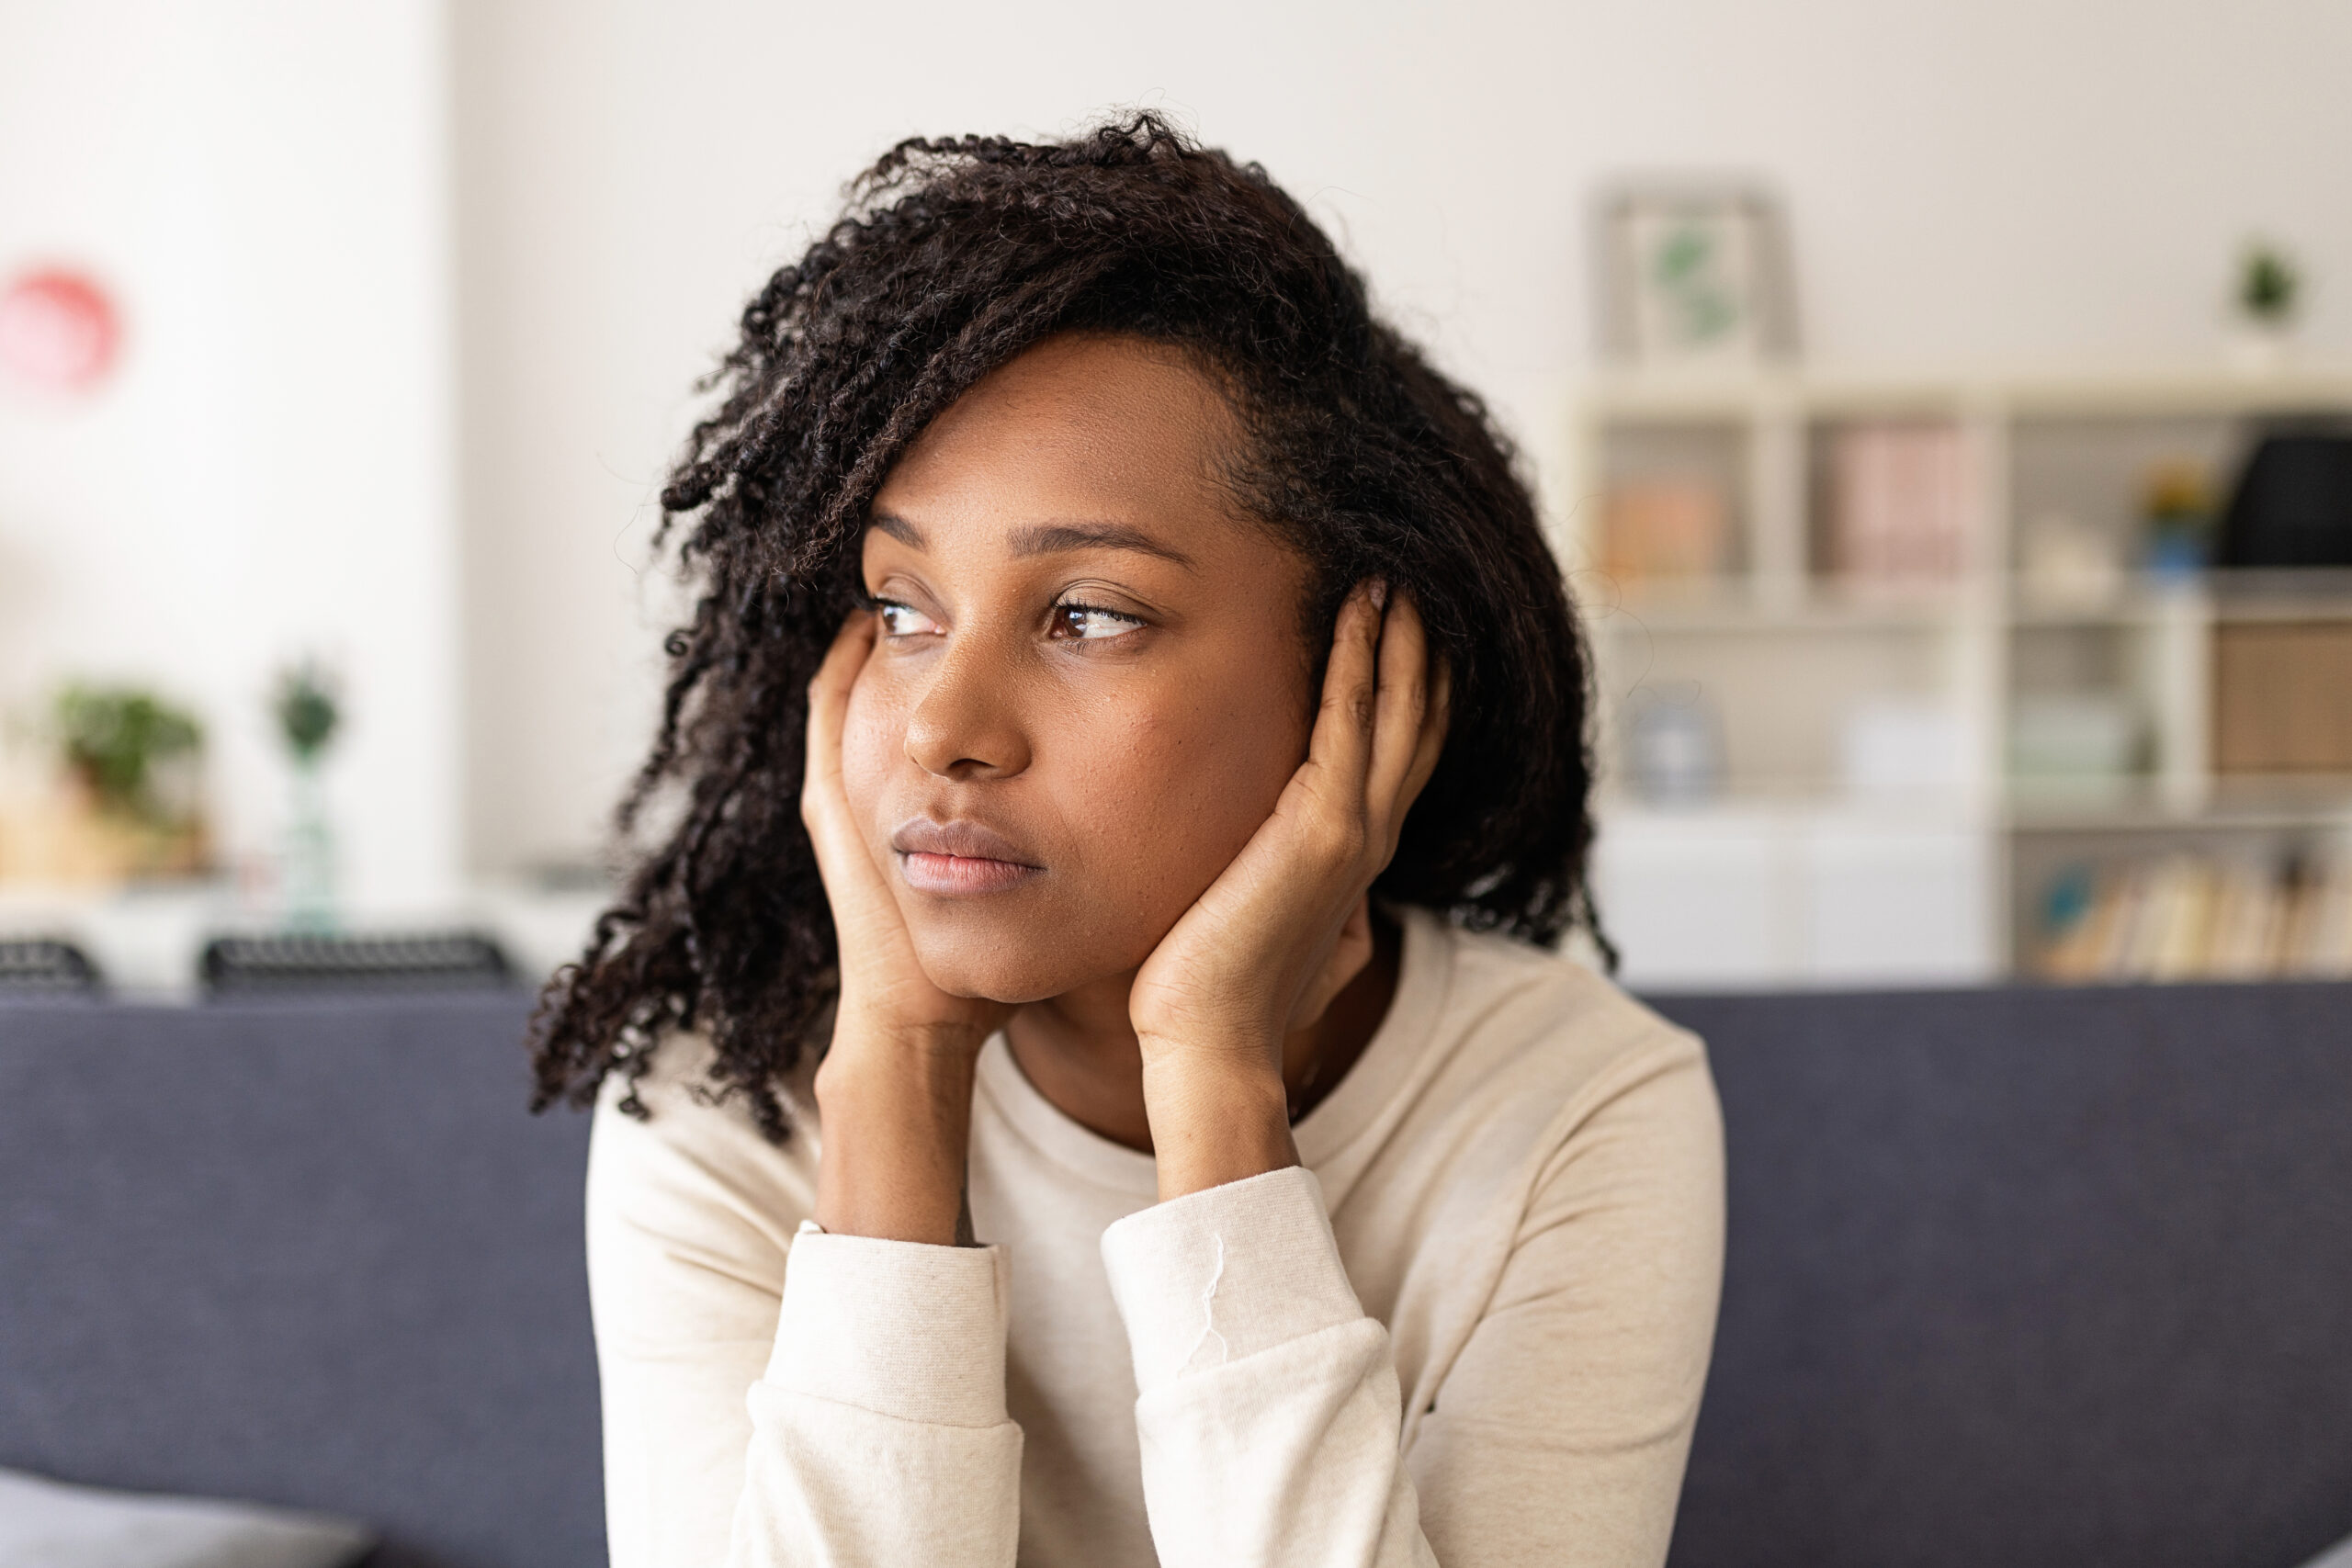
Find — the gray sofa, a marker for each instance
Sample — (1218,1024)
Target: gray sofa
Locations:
(2019,1278)
(310,1254)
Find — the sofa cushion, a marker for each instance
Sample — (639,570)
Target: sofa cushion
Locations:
(314,1253)
(47,1524)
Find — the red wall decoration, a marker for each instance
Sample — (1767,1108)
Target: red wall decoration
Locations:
(59,331)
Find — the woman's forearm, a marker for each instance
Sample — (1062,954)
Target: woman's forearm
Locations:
(895,1113)
(1216,1117)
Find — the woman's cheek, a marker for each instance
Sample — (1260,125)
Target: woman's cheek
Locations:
(1180,782)
(874,734)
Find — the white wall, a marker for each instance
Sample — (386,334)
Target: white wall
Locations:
(264,186)
(2002,181)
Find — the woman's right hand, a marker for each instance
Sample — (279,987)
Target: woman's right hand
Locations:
(894,1093)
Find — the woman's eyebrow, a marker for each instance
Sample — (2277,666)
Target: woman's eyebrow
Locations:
(900,529)
(1051,537)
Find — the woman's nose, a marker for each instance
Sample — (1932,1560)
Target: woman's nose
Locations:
(967,723)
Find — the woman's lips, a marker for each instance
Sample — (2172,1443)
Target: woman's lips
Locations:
(961,874)
(959,857)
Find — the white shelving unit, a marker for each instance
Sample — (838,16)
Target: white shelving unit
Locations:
(1789,874)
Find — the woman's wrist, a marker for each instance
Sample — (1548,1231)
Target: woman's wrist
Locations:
(1215,1119)
(894,1115)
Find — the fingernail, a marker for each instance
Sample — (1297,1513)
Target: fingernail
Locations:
(1380,593)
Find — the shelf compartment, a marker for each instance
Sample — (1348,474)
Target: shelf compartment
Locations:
(1672,508)
(1782,703)
(2175,902)
(1893,504)
(2282,697)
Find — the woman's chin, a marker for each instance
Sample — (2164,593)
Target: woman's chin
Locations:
(1013,972)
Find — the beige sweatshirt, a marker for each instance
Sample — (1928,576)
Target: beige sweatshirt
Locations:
(1472,1330)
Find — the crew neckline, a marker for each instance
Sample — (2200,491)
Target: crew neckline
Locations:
(1424,974)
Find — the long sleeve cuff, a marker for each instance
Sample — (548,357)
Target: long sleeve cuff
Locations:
(897,1327)
(1214,1276)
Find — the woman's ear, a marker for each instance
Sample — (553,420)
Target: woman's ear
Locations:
(1437,715)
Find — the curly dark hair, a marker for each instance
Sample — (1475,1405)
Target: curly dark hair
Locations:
(954,256)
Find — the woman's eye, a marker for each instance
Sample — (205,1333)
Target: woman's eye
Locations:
(1085,623)
(904,620)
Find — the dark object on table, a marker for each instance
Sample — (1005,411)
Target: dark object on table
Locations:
(252,965)
(2293,505)
(40,968)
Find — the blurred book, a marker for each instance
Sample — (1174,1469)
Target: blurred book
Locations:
(1665,528)
(2174,918)
(1900,495)
(2250,912)
(2189,917)
(2318,938)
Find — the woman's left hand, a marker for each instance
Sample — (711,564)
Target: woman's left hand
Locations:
(1286,926)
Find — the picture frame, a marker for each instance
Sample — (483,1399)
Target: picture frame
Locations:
(1693,274)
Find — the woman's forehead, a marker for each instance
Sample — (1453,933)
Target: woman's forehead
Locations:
(1096,442)
(1080,390)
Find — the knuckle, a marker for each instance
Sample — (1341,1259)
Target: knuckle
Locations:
(1356,702)
(1341,840)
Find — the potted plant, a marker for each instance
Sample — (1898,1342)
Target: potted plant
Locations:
(131,760)
(307,704)
(2268,291)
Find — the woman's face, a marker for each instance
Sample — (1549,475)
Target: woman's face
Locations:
(1089,683)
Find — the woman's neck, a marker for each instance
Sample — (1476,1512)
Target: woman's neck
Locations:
(1078,1049)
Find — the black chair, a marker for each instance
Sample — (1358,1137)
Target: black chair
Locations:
(304,962)
(43,967)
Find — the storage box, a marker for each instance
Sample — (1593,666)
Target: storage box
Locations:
(2282,697)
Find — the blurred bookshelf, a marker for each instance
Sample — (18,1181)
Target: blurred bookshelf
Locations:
(1908,680)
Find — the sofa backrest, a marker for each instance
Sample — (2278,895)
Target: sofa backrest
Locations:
(2039,1279)
(303,1253)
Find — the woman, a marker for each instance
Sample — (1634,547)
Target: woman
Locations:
(1082,1079)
